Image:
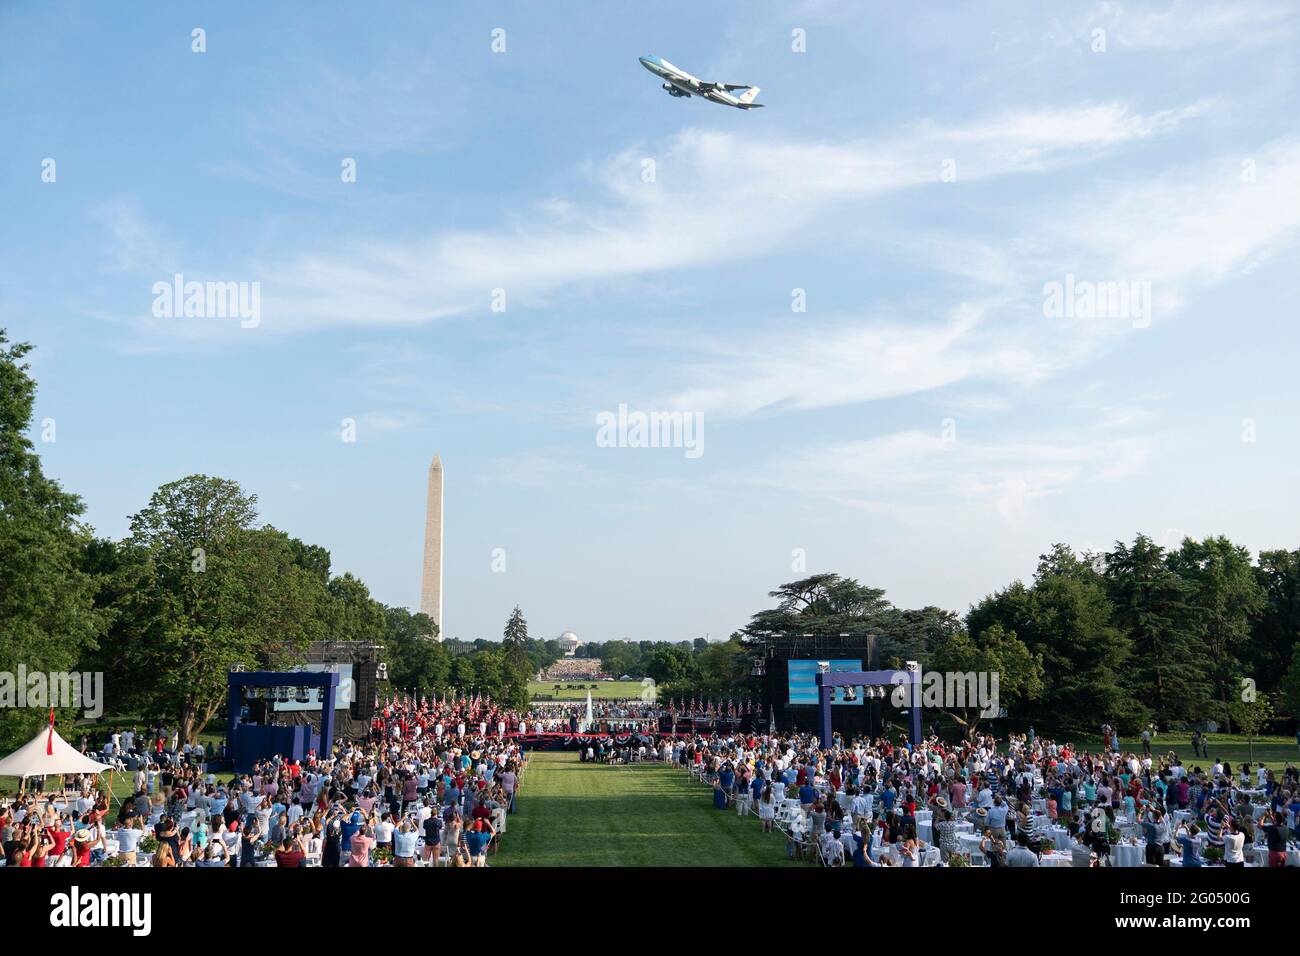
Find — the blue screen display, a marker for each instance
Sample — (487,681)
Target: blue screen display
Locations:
(803,681)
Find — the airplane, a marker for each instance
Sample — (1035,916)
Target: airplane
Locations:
(682,84)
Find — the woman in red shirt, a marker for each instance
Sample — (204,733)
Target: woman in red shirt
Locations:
(82,842)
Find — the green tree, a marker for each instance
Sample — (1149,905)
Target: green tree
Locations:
(1276,628)
(517,666)
(995,651)
(1169,659)
(415,658)
(1289,691)
(724,668)
(669,665)
(203,591)
(1251,713)
(353,614)
(47,615)
(1065,617)
(1224,595)
(488,668)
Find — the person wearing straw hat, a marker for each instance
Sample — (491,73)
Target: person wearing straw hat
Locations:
(83,841)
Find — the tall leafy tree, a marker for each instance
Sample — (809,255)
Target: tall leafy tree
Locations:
(1224,595)
(1066,618)
(415,658)
(517,664)
(353,614)
(1170,662)
(995,651)
(203,591)
(1289,688)
(1275,630)
(47,614)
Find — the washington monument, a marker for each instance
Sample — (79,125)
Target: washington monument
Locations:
(431,582)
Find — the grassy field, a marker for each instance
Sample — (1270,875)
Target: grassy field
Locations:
(577,690)
(122,786)
(1273,752)
(571,813)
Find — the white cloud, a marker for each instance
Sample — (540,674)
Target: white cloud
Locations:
(1191,225)
(716,198)
(1180,230)
(916,469)
(1222,26)
(134,243)
(818,368)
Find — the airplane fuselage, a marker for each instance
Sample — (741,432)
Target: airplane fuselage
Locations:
(682,84)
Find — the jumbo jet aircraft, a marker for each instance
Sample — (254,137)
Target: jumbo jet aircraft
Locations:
(680,83)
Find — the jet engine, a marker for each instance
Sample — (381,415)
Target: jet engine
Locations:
(674,91)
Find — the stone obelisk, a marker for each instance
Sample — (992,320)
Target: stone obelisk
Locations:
(431,582)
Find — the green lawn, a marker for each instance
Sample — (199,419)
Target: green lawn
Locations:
(1273,752)
(577,690)
(571,813)
(122,786)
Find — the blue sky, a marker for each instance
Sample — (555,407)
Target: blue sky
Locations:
(922,426)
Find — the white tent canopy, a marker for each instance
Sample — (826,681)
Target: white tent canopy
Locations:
(31,759)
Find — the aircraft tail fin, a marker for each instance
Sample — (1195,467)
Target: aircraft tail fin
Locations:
(748,96)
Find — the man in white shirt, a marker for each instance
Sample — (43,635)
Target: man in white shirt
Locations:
(384,831)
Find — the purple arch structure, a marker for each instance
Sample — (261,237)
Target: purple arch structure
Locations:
(247,743)
(827,681)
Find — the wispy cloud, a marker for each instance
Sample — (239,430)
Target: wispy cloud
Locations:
(1221,27)
(714,197)
(922,469)
(858,363)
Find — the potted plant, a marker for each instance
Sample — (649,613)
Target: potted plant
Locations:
(959,860)
(114,861)
(1213,854)
(383,856)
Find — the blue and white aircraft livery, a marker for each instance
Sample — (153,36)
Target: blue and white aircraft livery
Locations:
(680,83)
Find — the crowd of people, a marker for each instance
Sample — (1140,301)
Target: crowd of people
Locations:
(429,787)
(1026,802)
(435,780)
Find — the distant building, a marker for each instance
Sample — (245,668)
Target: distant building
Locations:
(569,643)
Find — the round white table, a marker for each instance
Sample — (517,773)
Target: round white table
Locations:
(929,856)
(1260,856)
(1127,855)
(925,825)
(969,842)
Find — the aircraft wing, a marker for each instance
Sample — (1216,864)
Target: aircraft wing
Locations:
(736,86)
